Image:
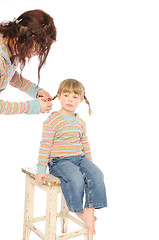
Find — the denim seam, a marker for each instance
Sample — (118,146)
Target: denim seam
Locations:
(96,204)
(69,193)
(89,191)
(67,185)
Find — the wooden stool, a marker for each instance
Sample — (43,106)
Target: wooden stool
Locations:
(52,188)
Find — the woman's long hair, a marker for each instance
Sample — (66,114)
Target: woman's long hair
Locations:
(32,33)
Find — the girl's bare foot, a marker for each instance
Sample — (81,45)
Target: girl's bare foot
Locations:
(87,216)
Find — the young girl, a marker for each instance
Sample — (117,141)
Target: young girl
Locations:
(32,33)
(65,148)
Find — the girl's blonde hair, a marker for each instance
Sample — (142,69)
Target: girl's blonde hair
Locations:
(72,85)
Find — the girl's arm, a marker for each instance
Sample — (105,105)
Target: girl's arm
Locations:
(45,147)
(39,178)
(85,144)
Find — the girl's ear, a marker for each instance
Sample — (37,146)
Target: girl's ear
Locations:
(58,96)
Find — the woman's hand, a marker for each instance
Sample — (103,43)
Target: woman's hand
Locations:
(45,106)
(44,94)
(40,177)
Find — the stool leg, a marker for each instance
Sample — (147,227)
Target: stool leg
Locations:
(64,211)
(89,236)
(28,208)
(51,213)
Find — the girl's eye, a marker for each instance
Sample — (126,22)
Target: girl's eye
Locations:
(65,95)
(76,97)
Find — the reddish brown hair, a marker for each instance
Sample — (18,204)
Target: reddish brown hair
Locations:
(31,30)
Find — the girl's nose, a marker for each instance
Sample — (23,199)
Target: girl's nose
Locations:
(70,99)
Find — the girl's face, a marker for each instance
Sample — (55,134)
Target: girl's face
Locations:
(69,102)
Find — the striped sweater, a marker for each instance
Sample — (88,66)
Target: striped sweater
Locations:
(8,74)
(62,136)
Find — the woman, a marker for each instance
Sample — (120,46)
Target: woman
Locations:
(32,33)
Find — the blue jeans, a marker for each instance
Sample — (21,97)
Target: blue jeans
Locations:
(78,175)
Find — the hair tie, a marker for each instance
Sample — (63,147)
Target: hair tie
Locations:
(17,21)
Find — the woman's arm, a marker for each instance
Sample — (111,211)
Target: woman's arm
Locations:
(28,87)
(24,85)
(10,108)
(30,107)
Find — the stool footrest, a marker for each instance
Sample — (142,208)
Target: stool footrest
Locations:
(76,221)
(60,237)
(36,230)
(39,219)
(72,234)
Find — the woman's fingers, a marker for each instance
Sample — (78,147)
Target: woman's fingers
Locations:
(45,106)
(44,94)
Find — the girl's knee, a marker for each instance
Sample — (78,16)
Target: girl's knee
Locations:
(77,183)
(99,176)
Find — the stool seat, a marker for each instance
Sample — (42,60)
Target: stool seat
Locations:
(53,181)
(52,188)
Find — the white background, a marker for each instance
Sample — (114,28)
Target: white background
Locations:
(112,47)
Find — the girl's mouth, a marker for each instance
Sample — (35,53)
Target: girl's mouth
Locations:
(69,105)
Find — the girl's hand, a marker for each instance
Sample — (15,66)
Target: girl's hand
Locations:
(44,94)
(39,178)
(45,106)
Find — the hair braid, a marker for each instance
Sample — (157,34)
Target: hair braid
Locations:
(86,100)
(53,98)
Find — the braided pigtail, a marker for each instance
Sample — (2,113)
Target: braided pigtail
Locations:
(86,100)
(54,98)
